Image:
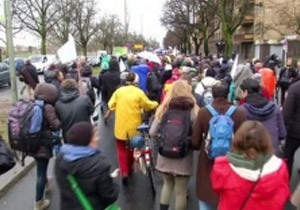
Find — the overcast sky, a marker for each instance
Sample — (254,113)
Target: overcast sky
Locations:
(144,18)
(144,15)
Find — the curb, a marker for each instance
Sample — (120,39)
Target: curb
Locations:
(16,178)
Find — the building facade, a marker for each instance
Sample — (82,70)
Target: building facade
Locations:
(265,25)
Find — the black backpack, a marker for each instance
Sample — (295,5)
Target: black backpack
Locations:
(175,133)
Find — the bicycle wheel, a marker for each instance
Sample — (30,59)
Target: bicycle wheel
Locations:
(150,172)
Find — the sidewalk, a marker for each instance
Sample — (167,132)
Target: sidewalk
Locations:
(9,179)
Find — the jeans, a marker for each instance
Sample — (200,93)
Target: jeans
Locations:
(206,206)
(41,173)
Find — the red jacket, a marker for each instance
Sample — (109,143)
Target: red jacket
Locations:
(233,184)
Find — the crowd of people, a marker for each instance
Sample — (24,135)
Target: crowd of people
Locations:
(252,175)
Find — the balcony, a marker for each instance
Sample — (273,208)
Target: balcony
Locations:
(243,38)
(248,20)
(248,37)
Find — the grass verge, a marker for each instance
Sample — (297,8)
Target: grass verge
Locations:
(5,107)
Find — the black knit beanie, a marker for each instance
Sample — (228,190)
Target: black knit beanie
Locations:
(80,134)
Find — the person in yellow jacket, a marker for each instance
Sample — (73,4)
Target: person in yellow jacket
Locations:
(128,102)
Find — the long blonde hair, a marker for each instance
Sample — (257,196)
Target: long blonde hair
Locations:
(180,88)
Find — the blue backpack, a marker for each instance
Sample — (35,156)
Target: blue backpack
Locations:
(220,132)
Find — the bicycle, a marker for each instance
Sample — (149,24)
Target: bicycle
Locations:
(147,155)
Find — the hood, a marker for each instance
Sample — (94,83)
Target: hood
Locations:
(181,103)
(85,165)
(69,95)
(259,107)
(72,153)
(46,92)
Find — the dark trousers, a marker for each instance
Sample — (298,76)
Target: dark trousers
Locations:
(282,96)
(41,173)
(292,144)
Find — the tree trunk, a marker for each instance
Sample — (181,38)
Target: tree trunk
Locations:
(43,45)
(84,49)
(229,44)
(205,45)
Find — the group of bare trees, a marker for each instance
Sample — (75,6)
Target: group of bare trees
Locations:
(198,20)
(53,20)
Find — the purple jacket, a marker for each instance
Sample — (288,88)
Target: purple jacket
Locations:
(257,107)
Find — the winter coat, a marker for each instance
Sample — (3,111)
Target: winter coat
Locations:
(291,111)
(109,81)
(241,74)
(182,166)
(233,185)
(30,75)
(127,102)
(142,71)
(166,75)
(257,107)
(289,73)
(48,93)
(200,130)
(153,85)
(93,176)
(208,82)
(72,108)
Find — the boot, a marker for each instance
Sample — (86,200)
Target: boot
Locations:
(163,207)
(42,204)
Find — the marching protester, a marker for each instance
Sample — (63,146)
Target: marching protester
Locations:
(82,159)
(30,76)
(257,107)
(49,95)
(109,81)
(176,171)
(208,199)
(72,107)
(128,102)
(251,173)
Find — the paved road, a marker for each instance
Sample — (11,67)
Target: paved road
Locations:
(136,197)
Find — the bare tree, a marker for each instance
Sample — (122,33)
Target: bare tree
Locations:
(207,23)
(85,22)
(38,16)
(176,14)
(231,14)
(111,32)
(65,25)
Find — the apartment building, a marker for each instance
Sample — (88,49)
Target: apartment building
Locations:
(265,24)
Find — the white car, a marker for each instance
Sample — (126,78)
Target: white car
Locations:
(41,62)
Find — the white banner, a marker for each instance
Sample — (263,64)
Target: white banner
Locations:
(68,52)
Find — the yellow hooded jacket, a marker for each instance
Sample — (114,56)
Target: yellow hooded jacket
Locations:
(128,102)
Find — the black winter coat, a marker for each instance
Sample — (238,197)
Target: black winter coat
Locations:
(72,108)
(93,176)
(291,111)
(109,82)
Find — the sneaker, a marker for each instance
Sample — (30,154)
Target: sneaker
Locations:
(42,204)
